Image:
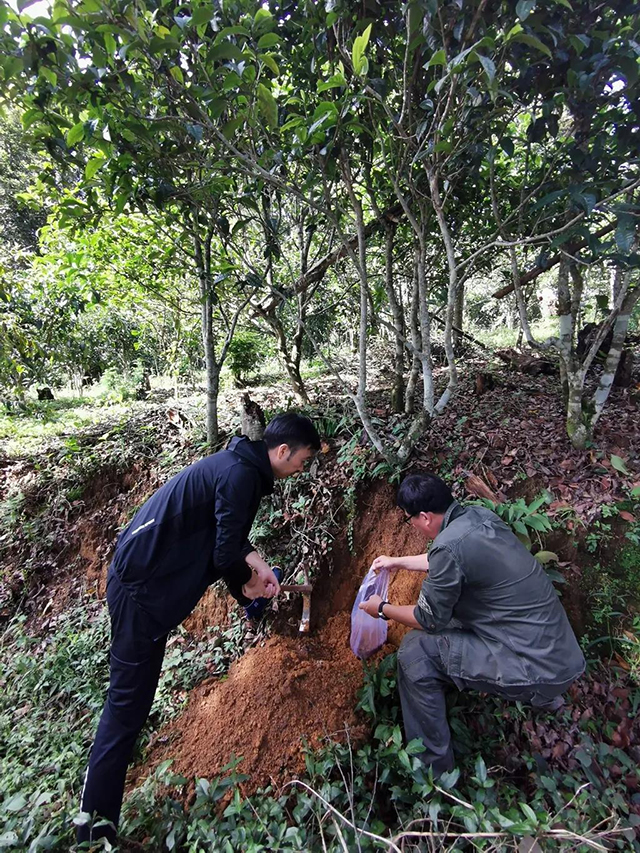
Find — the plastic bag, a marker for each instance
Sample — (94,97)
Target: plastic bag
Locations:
(368,633)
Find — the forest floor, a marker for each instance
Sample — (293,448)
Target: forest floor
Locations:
(272,697)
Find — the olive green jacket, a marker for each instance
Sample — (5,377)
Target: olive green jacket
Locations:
(510,628)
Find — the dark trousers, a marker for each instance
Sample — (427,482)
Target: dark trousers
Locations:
(422,680)
(135,663)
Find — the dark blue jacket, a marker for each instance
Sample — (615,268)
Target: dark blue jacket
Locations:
(193,531)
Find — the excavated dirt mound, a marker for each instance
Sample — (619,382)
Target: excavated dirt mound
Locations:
(292,690)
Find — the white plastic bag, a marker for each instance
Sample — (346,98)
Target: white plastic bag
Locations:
(369,633)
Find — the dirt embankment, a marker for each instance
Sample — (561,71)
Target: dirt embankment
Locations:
(292,689)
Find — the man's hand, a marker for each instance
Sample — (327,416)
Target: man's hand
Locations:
(383,562)
(371,605)
(419,563)
(263,583)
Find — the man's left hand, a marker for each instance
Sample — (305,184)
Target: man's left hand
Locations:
(371,605)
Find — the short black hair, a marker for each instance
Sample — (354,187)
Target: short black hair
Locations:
(292,429)
(424,493)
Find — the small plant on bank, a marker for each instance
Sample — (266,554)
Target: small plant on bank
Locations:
(526,520)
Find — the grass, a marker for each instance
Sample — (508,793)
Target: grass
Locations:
(51,695)
(29,432)
(502,337)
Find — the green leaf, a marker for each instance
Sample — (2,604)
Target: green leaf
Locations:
(231,81)
(619,464)
(635,492)
(176,73)
(529,812)
(109,43)
(481,769)
(438,58)
(29,117)
(263,20)
(231,31)
(195,130)
(546,557)
(533,41)
(515,29)
(121,200)
(507,146)
(270,62)
(93,166)
(49,75)
(267,106)
(625,232)
(554,576)
(583,757)
(449,779)
(15,803)
(415,747)
(577,43)
(524,8)
(75,134)
(357,52)
(489,67)
(268,40)
(201,15)
(225,50)
(231,126)
(538,522)
(333,83)
(564,3)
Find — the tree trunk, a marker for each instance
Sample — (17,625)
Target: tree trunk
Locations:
(410,393)
(425,336)
(458,317)
(212,368)
(565,326)
(576,426)
(291,360)
(620,328)
(397,393)
(452,292)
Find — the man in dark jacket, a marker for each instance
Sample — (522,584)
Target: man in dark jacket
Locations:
(487,619)
(191,532)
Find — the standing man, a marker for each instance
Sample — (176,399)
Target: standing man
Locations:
(191,532)
(487,619)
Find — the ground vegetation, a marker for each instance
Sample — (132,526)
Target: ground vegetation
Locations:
(416,223)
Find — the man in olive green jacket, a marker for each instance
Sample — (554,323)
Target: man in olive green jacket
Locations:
(487,619)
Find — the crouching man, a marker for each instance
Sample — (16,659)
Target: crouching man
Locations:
(487,618)
(190,533)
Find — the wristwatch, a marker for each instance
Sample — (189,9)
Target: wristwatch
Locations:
(380,613)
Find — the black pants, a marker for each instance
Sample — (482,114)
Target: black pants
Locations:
(422,681)
(135,663)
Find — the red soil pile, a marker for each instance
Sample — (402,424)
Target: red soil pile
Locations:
(293,689)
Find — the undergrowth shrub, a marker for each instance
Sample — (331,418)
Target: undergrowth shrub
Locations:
(51,694)
(377,795)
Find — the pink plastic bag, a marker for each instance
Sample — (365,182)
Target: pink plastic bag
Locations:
(368,633)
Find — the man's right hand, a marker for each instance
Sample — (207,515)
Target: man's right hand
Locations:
(263,584)
(384,563)
(419,563)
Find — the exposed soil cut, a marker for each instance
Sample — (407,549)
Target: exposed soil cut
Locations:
(292,689)
(90,534)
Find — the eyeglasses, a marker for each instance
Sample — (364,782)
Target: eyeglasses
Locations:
(407,518)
